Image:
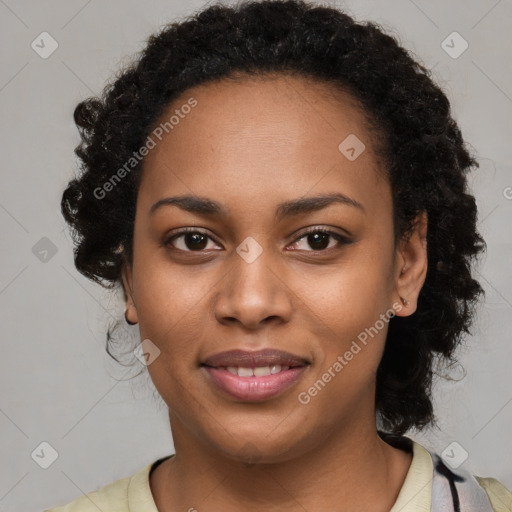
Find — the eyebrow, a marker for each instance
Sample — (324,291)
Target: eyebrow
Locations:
(205,206)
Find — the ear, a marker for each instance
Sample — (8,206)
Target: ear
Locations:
(127,280)
(411,266)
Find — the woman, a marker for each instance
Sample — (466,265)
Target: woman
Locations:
(280,193)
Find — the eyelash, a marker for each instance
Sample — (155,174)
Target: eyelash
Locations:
(342,240)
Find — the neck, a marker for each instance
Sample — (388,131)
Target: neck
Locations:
(354,467)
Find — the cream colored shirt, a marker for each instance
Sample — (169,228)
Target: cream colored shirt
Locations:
(133,494)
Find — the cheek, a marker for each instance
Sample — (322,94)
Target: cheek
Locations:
(351,294)
(170,298)
(347,305)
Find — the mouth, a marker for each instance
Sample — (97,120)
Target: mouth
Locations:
(254,376)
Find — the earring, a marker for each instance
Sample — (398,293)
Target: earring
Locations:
(126,318)
(405,302)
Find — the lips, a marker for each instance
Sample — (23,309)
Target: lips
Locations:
(246,359)
(254,376)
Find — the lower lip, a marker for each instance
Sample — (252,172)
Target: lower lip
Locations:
(254,389)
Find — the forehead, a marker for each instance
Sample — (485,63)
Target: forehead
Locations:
(263,136)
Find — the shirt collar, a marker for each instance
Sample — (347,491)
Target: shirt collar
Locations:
(416,492)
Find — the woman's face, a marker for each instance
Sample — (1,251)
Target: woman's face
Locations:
(249,277)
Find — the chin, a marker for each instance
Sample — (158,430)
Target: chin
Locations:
(259,447)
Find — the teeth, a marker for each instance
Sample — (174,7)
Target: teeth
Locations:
(245,372)
(260,371)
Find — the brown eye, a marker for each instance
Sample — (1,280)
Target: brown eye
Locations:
(192,240)
(319,239)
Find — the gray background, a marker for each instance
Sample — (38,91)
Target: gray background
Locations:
(58,384)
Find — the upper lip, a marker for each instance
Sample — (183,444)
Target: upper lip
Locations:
(253,359)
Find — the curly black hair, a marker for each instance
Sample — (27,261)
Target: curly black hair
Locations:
(423,153)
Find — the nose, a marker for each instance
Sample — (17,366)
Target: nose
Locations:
(253,294)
